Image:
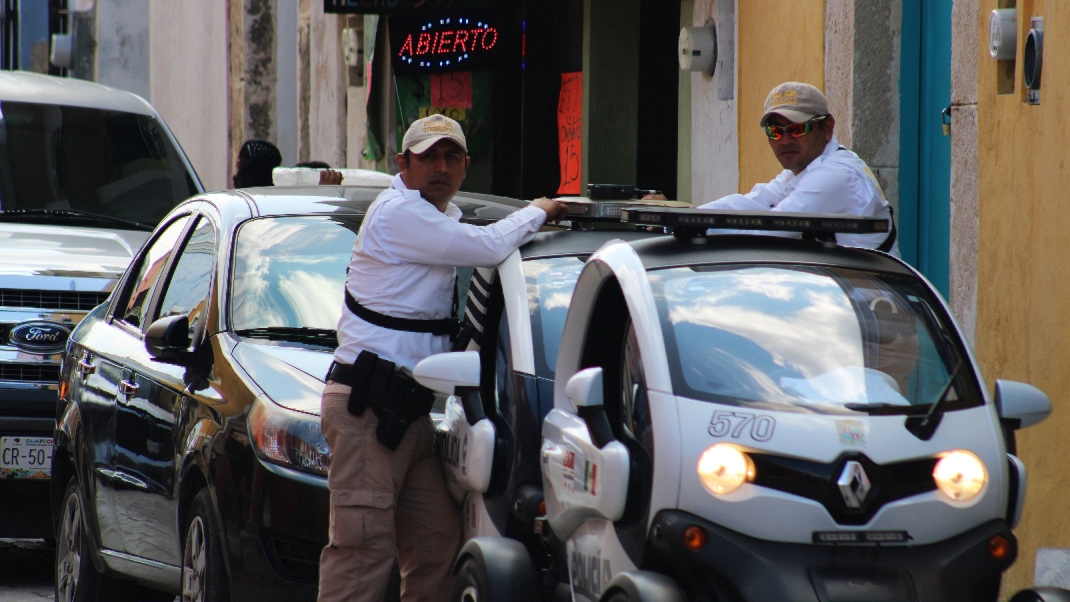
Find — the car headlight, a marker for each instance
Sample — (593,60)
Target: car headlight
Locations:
(292,439)
(723,469)
(960,475)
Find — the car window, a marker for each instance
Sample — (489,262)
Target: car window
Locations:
(105,162)
(550,283)
(815,338)
(187,291)
(290,272)
(151,266)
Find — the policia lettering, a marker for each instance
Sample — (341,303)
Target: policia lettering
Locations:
(376,383)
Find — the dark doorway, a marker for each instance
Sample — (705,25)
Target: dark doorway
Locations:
(659,27)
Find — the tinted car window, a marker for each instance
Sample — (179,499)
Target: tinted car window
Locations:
(819,338)
(187,292)
(550,283)
(106,162)
(149,270)
(290,272)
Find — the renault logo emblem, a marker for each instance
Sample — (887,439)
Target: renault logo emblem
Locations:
(854,484)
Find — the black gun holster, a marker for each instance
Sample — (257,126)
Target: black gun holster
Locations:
(396,399)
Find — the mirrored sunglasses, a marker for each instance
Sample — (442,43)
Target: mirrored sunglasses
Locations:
(795,130)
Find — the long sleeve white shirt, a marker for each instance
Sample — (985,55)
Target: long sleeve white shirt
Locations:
(837,181)
(403,265)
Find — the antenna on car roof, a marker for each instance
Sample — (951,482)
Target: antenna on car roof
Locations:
(693,224)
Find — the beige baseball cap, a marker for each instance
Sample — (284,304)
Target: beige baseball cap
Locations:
(796,101)
(424,133)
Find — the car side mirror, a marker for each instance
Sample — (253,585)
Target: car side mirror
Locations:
(167,339)
(456,373)
(1020,404)
(584,391)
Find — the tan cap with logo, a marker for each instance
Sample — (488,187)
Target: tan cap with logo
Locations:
(796,101)
(424,133)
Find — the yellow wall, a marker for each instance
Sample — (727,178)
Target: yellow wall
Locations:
(777,42)
(1023,324)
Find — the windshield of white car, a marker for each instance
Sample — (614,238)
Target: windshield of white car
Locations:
(288,277)
(94,162)
(817,339)
(550,283)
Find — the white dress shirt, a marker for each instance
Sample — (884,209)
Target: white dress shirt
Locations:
(837,181)
(403,266)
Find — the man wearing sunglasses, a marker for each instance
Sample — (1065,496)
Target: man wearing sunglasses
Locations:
(819,176)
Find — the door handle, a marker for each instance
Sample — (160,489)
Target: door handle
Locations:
(128,388)
(85,368)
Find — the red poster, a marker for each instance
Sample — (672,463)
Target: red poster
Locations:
(570,131)
(452,90)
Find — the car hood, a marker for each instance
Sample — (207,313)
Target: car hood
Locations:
(33,250)
(291,376)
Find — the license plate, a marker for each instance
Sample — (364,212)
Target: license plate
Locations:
(25,457)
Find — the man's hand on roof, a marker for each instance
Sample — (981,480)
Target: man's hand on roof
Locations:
(330,177)
(555,211)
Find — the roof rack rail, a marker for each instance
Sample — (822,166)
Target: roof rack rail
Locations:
(694,223)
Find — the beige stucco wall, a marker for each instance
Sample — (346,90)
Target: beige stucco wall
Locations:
(327,90)
(192,98)
(1023,277)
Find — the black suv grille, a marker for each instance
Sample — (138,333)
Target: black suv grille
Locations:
(62,300)
(29,372)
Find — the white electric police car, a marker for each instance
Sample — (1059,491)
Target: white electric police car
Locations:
(735,418)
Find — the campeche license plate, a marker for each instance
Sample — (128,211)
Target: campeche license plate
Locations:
(25,457)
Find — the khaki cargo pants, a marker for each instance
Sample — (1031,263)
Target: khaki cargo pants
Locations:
(385,504)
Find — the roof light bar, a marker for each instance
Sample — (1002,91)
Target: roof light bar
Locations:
(586,211)
(695,222)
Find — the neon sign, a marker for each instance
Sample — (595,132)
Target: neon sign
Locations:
(447,43)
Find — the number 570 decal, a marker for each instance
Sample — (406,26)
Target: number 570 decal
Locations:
(725,423)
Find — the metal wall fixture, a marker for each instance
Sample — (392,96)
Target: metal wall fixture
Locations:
(1003,34)
(1033,60)
(698,49)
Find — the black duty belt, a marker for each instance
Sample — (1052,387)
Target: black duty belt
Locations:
(442,327)
(396,399)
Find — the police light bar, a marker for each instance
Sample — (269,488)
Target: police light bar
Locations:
(697,221)
(591,211)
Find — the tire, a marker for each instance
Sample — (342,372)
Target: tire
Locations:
(471,585)
(77,580)
(204,574)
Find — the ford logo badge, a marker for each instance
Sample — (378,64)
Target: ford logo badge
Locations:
(40,336)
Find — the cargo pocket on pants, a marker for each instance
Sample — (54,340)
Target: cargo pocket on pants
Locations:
(363,519)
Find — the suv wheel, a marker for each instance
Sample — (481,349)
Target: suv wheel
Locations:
(76,578)
(204,576)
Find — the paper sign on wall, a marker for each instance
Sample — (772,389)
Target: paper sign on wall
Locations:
(452,90)
(570,131)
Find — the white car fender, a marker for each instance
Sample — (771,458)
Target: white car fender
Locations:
(581,481)
(467,451)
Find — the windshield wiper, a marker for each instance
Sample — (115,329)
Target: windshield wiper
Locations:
(303,334)
(883,408)
(923,427)
(97,217)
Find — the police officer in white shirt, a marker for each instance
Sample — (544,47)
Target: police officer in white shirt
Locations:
(388,492)
(819,176)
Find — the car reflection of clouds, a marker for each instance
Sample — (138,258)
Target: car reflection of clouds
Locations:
(823,334)
(557,301)
(267,251)
(314,310)
(532,270)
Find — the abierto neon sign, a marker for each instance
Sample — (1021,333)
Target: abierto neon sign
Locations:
(447,43)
